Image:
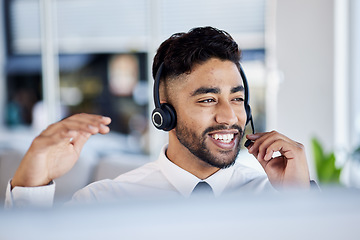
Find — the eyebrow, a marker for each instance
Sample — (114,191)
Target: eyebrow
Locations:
(205,90)
(237,89)
(215,90)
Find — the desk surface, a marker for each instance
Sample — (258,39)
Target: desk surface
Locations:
(332,214)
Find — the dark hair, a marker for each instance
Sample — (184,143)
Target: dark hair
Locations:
(181,51)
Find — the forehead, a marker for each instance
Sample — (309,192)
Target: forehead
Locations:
(214,73)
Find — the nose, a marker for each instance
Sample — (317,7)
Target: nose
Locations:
(226,114)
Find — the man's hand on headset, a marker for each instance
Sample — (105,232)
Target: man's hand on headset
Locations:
(290,169)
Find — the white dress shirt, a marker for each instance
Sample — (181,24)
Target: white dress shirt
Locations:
(155,179)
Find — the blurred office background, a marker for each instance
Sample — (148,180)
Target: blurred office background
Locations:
(61,57)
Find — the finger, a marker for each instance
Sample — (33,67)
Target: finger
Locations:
(285,148)
(91,119)
(79,138)
(75,136)
(265,150)
(280,146)
(67,131)
(103,129)
(76,129)
(272,148)
(263,141)
(255,136)
(251,141)
(80,122)
(63,136)
(68,136)
(79,141)
(89,122)
(258,139)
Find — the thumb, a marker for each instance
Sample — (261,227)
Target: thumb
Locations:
(79,139)
(248,144)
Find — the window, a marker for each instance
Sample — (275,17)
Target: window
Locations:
(95,44)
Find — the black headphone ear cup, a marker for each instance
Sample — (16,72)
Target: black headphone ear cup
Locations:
(171,116)
(164,118)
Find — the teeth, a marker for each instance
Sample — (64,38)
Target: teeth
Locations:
(226,138)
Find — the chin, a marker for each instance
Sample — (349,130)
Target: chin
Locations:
(223,159)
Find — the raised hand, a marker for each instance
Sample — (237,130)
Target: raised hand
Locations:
(55,151)
(290,169)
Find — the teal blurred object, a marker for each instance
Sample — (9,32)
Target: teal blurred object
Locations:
(326,169)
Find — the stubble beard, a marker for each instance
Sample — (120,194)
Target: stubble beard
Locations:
(197,145)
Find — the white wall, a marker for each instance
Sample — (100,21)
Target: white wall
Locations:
(305,53)
(355,72)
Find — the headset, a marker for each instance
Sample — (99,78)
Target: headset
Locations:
(164,115)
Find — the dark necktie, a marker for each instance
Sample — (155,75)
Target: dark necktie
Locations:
(202,188)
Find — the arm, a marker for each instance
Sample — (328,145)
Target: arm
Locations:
(55,151)
(290,169)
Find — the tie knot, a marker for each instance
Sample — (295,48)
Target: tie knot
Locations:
(202,188)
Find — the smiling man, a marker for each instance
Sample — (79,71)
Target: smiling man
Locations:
(211,117)
(201,84)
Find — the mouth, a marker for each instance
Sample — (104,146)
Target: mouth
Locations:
(224,139)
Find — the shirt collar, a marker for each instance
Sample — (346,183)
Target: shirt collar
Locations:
(185,182)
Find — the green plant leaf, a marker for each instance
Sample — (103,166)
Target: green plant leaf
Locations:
(326,169)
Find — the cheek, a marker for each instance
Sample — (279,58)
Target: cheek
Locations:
(242,117)
(194,118)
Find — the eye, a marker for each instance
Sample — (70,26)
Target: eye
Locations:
(239,99)
(209,100)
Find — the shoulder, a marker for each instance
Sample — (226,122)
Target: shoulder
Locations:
(134,176)
(130,184)
(140,173)
(92,192)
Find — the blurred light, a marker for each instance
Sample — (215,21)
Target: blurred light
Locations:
(71,96)
(123,74)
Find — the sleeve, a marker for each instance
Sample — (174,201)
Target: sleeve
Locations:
(22,197)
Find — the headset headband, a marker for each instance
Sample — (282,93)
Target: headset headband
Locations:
(157,86)
(164,115)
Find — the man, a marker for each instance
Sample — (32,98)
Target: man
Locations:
(201,81)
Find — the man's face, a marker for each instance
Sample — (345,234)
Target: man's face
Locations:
(211,116)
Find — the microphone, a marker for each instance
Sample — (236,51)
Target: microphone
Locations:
(248,142)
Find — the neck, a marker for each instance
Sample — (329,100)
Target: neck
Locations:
(182,157)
